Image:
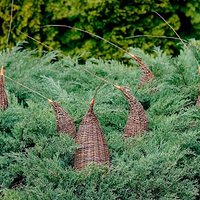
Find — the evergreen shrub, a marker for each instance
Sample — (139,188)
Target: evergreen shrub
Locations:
(37,163)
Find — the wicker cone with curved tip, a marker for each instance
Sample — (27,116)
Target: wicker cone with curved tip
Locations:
(198,98)
(146,75)
(3,96)
(92,144)
(64,122)
(137,122)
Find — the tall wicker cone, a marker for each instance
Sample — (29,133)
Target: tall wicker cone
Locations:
(3,96)
(92,144)
(137,122)
(64,122)
(146,74)
(198,98)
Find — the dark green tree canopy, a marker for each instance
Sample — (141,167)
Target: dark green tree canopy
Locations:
(113,20)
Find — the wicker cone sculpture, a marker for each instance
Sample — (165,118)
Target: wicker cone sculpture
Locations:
(64,122)
(3,96)
(198,99)
(147,75)
(137,122)
(92,144)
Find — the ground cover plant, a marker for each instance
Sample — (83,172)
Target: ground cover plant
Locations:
(36,162)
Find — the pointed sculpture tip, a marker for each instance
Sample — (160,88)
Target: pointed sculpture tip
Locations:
(92,103)
(50,101)
(118,87)
(133,56)
(2,70)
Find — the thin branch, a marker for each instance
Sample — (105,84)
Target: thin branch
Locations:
(26,87)
(11,19)
(52,49)
(170,27)
(155,36)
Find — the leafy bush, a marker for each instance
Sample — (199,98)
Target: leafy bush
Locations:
(37,163)
(111,19)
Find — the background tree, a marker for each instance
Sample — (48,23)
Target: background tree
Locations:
(112,19)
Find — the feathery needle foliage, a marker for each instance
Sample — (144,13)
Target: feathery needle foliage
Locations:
(37,163)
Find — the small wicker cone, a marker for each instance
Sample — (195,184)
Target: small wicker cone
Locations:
(137,122)
(3,96)
(92,144)
(64,122)
(146,75)
(198,98)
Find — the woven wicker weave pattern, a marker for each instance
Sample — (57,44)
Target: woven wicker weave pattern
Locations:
(198,100)
(146,75)
(3,96)
(64,122)
(92,144)
(137,122)
(145,78)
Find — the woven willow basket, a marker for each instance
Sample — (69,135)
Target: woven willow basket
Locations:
(3,96)
(137,122)
(198,100)
(146,74)
(64,122)
(92,144)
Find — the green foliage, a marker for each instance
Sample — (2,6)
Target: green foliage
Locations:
(111,19)
(37,163)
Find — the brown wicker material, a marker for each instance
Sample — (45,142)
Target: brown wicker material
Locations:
(137,122)
(198,100)
(92,144)
(3,96)
(146,74)
(64,122)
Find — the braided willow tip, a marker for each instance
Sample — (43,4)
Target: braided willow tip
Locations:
(2,71)
(64,122)
(137,122)
(92,144)
(3,96)
(146,74)
(50,101)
